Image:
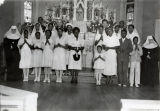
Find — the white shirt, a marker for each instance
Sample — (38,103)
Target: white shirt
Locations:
(123,39)
(118,35)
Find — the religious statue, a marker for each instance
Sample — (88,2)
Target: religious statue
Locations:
(80,13)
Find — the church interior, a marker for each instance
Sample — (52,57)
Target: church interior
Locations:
(84,96)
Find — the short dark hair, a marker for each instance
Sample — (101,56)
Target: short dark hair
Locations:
(135,38)
(37,33)
(40,18)
(131,25)
(37,24)
(50,24)
(59,28)
(124,30)
(99,46)
(76,28)
(100,26)
(25,31)
(121,21)
(104,20)
(116,26)
(49,31)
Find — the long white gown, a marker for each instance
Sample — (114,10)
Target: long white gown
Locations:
(37,53)
(99,63)
(47,59)
(72,63)
(25,52)
(68,37)
(59,57)
(110,65)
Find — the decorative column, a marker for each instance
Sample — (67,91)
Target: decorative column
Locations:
(100,10)
(107,12)
(85,10)
(68,10)
(123,10)
(35,10)
(114,16)
(93,11)
(74,11)
(60,9)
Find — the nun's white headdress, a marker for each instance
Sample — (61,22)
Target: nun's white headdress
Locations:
(12,36)
(149,45)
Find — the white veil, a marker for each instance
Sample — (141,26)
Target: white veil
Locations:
(21,40)
(34,31)
(148,45)
(12,36)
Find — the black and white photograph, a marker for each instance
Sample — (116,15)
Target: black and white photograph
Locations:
(79,55)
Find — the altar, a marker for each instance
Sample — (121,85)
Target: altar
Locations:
(12,99)
(85,14)
(140,105)
(80,12)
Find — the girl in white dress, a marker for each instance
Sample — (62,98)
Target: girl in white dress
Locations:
(76,46)
(37,28)
(51,27)
(69,35)
(59,57)
(98,64)
(47,60)
(110,44)
(37,56)
(26,56)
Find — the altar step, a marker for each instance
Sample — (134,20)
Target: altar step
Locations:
(84,77)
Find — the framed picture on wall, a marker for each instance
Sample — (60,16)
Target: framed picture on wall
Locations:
(130,13)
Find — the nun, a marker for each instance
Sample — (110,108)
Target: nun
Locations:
(149,65)
(11,39)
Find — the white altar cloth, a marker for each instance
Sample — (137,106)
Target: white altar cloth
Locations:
(13,99)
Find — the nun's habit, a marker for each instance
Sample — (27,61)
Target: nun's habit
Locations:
(149,65)
(12,54)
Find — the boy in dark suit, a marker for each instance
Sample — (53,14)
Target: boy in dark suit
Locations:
(123,58)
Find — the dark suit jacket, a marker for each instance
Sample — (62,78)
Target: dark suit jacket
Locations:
(124,50)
